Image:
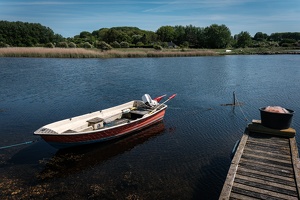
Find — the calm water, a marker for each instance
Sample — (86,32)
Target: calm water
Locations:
(185,157)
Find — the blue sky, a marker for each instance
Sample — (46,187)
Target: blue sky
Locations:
(70,17)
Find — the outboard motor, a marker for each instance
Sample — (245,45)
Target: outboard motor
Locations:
(148,101)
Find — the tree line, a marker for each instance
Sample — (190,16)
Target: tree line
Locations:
(24,34)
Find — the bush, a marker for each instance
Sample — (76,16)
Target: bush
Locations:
(3,45)
(49,45)
(286,45)
(116,44)
(165,45)
(87,45)
(158,47)
(124,44)
(103,46)
(273,44)
(72,45)
(139,44)
(185,44)
(62,45)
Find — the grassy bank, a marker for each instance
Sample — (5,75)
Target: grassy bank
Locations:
(260,51)
(96,53)
(132,52)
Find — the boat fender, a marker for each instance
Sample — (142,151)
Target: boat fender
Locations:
(234,149)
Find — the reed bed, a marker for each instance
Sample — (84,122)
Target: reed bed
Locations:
(96,53)
(49,52)
(191,53)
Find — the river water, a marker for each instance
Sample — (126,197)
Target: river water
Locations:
(187,156)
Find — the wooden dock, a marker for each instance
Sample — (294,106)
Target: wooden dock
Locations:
(265,165)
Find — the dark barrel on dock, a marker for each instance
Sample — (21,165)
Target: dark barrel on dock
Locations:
(276,120)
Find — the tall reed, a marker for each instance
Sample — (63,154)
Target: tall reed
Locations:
(95,53)
(49,52)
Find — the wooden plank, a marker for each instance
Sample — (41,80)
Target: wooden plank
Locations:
(255,137)
(268,138)
(266,154)
(268,144)
(296,164)
(259,193)
(237,196)
(266,184)
(267,176)
(270,170)
(265,166)
(267,160)
(258,128)
(225,193)
(279,149)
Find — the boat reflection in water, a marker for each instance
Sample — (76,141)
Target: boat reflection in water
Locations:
(72,160)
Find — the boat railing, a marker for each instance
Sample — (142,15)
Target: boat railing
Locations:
(113,117)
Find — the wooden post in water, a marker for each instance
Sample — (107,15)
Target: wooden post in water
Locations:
(234,101)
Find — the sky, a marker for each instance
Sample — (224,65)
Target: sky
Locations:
(70,17)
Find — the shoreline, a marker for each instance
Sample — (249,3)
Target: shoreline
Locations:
(40,52)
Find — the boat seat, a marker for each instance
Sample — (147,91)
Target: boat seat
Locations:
(95,123)
(95,120)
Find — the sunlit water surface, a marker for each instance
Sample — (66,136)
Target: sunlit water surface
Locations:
(187,156)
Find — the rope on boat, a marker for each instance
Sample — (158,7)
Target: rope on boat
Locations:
(19,144)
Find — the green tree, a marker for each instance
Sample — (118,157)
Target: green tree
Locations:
(192,35)
(136,38)
(244,39)
(100,34)
(259,36)
(179,35)
(166,33)
(115,35)
(85,34)
(144,39)
(286,35)
(24,34)
(125,34)
(217,36)
(287,42)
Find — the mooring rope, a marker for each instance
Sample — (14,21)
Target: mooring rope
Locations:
(18,144)
(239,105)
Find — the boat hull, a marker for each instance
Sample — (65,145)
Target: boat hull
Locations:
(69,140)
